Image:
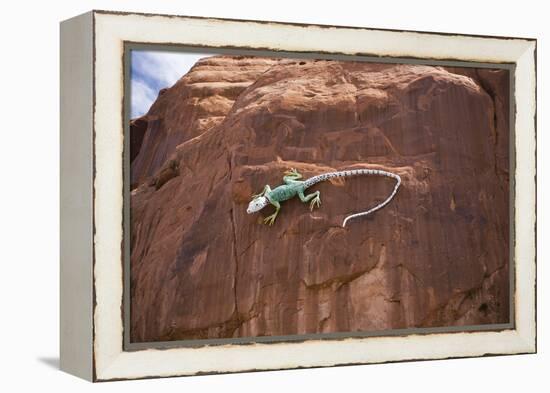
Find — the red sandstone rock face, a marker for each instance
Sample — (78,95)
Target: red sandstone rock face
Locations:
(437,255)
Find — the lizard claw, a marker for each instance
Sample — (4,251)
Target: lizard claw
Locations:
(269,220)
(315,202)
(292,172)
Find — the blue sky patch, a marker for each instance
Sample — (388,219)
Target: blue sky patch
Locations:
(151,71)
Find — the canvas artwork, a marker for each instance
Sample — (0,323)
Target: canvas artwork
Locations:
(276,197)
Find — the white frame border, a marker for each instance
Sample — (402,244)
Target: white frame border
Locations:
(111,30)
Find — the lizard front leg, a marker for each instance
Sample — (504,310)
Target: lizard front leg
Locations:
(314,197)
(266,189)
(269,220)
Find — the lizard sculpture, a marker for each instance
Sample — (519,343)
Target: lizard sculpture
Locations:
(294,186)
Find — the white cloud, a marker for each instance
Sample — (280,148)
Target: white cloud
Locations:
(141,99)
(154,70)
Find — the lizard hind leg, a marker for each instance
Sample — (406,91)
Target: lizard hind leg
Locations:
(315,199)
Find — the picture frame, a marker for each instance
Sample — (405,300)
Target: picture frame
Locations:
(95,247)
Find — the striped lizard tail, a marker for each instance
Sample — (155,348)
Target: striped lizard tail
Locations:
(358,172)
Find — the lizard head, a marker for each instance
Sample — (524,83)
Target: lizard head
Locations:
(257,204)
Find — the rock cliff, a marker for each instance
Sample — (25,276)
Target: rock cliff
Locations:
(437,255)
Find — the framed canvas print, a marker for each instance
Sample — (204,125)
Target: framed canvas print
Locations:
(246,195)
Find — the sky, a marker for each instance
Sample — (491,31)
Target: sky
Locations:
(154,70)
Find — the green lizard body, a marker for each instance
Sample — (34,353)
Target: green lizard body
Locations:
(293,186)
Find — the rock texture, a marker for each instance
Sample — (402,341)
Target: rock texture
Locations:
(437,255)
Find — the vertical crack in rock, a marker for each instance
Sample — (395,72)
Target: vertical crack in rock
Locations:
(235,256)
(490,91)
(494,126)
(347,77)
